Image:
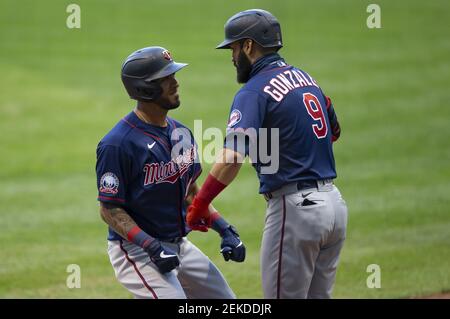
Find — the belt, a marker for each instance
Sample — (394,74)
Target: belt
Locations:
(174,240)
(297,186)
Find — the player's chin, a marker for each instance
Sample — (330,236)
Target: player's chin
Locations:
(242,77)
(175,101)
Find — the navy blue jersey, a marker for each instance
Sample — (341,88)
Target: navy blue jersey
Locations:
(281,96)
(147,170)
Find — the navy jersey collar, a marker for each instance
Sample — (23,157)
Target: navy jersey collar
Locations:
(264,61)
(136,121)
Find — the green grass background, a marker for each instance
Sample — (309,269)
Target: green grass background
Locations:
(60,92)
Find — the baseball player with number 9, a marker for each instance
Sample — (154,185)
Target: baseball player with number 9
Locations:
(306,217)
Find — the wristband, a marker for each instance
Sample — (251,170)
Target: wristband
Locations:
(139,237)
(210,189)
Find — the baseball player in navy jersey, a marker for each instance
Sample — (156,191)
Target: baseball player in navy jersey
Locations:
(147,166)
(306,217)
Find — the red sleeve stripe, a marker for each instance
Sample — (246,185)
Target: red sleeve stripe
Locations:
(328,102)
(112,199)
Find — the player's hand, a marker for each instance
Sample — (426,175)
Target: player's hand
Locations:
(232,246)
(163,257)
(197,216)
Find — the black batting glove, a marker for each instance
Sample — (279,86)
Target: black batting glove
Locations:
(232,247)
(163,257)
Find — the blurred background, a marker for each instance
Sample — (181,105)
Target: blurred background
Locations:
(60,93)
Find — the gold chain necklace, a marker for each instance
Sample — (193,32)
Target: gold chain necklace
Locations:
(142,117)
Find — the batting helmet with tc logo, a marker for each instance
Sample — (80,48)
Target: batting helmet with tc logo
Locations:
(142,70)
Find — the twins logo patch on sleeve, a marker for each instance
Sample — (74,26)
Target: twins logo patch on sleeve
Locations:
(235,117)
(109,184)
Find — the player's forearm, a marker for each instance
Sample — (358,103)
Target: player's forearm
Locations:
(227,166)
(117,218)
(122,223)
(218,223)
(221,175)
(193,190)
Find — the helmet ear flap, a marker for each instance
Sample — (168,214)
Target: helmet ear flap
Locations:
(150,92)
(153,90)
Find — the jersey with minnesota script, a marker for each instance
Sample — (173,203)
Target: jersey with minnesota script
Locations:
(137,171)
(283,97)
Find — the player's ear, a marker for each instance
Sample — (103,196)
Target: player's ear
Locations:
(248,47)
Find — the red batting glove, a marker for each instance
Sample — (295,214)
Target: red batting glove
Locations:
(198,217)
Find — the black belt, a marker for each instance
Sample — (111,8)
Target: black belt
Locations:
(306,184)
(309,183)
(175,240)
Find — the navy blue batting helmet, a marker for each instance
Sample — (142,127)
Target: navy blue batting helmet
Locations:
(256,24)
(142,69)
